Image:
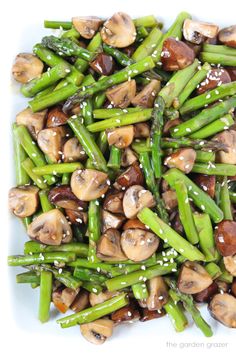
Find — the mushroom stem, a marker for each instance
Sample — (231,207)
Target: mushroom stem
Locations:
(80,249)
(45,296)
(94,229)
(93,313)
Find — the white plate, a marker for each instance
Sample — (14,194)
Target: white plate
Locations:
(22,27)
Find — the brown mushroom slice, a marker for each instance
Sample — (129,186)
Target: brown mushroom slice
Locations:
(223,308)
(196,31)
(51,140)
(109,247)
(50,228)
(133,175)
(63,197)
(111,221)
(183,159)
(135,199)
(193,278)
(96,299)
(141,130)
(126,314)
(103,64)
(170,124)
(139,244)
(147,315)
(225,238)
(134,224)
(26,67)
(231,70)
(229,138)
(121,95)
(170,199)
(176,223)
(119,30)
(222,286)
(128,157)
(33,121)
(121,137)
(76,217)
(98,331)
(81,301)
(89,184)
(230,264)
(215,77)
(146,97)
(206,294)
(158,294)
(113,202)
(176,55)
(233,287)
(63,298)
(87,26)
(227,36)
(73,151)
(206,183)
(56,117)
(23,200)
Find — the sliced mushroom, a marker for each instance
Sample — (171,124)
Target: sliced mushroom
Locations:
(195,31)
(134,224)
(223,308)
(214,78)
(113,202)
(89,184)
(121,137)
(103,64)
(119,30)
(206,183)
(183,159)
(158,294)
(51,140)
(229,138)
(222,286)
(206,294)
(73,151)
(128,313)
(98,331)
(128,157)
(63,197)
(147,315)
(76,217)
(138,244)
(227,36)
(135,199)
(56,117)
(230,264)
(193,278)
(33,121)
(176,223)
(50,228)
(87,26)
(81,301)
(109,247)
(121,95)
(169,124)
(111,221)
(232,72)
(63,298)
(233,288)
(133,175)
(146,97)
(170,199)
(176,55)
(225,238)
(141,130)
(23,200)
(96,299)
(26,67)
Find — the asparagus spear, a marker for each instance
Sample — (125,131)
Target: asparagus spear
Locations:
(94,229)
(80,249)
(65,25)
(93,313)
(205,156)
(104,113)
(45,295)
(92,287)
(148,44)
(225,203)
(218,169)
(99,267)
(66,178)
(203,118)
(170,236)
(217,58)
(176,314)
(146,21)
(89,275)
(140,291)
(156,132)
(41,258)
(66,167)
(219,49)
(214,270)
(120,57)
(200,198)
(28,167)
(28,277)
(213,128)
(45,203)
(102,141)
(19,156)
(115,158)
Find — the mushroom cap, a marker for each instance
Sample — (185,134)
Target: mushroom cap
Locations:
(63,298)
(134,224)
(89,184)
(119,30)
(109,248)
(223,308)
(113,202)
(147,315)
(56,117)
(136,198)
(26,67)
(193,278)
(206,294)
(225,238)
(51,140)
(196,31)
(121,137)
(111,221)
(128,157)
(76,217)
(73,151)
(229,138)
(87,26)
(183,159)
(103,64)
(215,77)
(127,313)
(228,36)
(146,97)
(230,264)
(23,200)
(98,331)
(139,244)
(63,197)
(50,228)
(121,95)
(81,301)
(170,199)
(133,175)
(33,121)
(141,130)
(96,299)
(158,294)
(206,183)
